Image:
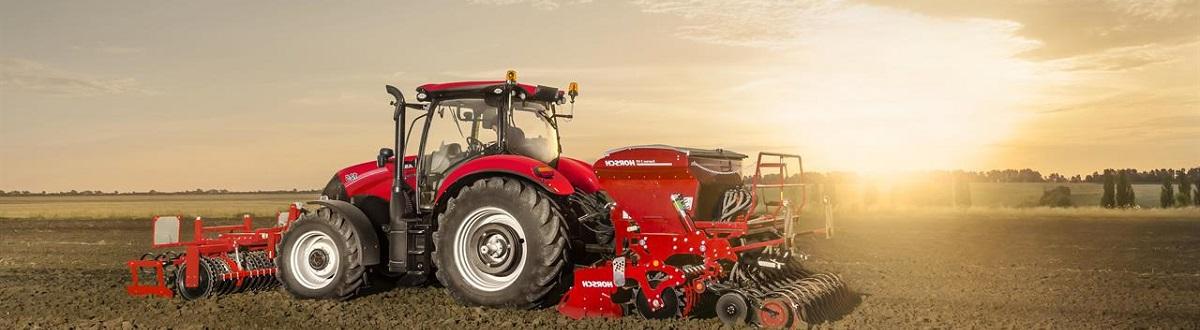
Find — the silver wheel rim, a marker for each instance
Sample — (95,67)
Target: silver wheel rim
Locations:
(489,249)
(314,260)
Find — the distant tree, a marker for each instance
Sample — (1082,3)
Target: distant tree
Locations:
(1130,194)
(1167,196)
(1124,195)
(1108,200)
(1185,190)
(1055,177)
(1058,197)
(1196,195)
(1131,199)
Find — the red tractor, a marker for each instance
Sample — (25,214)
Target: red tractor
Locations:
(483,201)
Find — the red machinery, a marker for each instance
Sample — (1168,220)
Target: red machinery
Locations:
(687,227)
(476,194)
(237,258)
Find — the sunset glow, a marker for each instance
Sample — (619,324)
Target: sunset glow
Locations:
(871,86)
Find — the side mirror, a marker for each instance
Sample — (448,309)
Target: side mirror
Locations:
(466,115)
(166,230)
(384,154)
(396,94)
(281,219)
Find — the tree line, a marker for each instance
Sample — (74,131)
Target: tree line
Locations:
(1133,176)
(1180,187)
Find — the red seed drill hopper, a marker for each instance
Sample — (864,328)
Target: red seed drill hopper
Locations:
(688,229)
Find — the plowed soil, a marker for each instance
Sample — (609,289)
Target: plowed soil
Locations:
(945,271)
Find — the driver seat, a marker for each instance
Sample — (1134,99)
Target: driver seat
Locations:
(440,160)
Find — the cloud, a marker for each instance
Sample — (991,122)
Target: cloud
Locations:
(873,87)
(539,4)
(110,49)
(1160,10)
(1073,28)
(338,99)
(20,74)
(1129,58)
(770,24)
(119,50)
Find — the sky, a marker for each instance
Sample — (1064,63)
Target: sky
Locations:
(175,95)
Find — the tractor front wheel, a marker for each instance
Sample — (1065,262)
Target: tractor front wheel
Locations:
(501,242)
(319,257)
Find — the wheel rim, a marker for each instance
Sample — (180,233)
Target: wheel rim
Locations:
(314,260)
(775,314)
(489,249)
(732,309)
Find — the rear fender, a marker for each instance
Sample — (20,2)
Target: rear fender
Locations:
(580,174)
(362,227)
(514,165)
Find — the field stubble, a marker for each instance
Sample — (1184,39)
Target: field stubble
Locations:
(915,268)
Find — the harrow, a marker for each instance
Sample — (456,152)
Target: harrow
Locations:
(238,258)
(781,295)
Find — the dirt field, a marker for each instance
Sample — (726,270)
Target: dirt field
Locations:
(941,270)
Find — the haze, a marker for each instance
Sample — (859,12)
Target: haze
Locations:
(172,95)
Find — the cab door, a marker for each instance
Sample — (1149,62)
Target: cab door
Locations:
(455,131)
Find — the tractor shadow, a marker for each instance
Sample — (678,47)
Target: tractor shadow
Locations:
(834,310)
(379,283)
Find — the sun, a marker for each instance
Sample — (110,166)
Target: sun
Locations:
(904,93)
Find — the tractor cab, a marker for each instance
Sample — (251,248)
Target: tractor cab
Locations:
(461,121)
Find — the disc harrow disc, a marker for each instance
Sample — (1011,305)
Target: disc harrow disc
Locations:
(775,313)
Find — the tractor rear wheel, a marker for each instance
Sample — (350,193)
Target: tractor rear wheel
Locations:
(501,242)
(319,257)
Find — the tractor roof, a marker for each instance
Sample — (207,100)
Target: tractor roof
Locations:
(470,89)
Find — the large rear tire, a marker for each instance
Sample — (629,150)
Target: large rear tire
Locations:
(501,242)
(320,257)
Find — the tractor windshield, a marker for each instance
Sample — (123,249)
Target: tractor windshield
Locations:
(461,129)
(531,132)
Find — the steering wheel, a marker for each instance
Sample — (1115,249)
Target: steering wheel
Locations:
(474,144)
